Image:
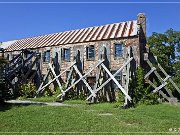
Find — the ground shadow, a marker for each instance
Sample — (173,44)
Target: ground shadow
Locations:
(4,106)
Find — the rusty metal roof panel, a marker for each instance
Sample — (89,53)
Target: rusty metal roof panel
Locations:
(105,32)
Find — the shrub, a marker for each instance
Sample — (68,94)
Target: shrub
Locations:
(27,90)
(142,94)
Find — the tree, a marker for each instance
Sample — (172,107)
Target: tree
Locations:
(167,49)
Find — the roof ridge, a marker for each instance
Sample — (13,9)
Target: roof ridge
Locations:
(71,30)
(88,34)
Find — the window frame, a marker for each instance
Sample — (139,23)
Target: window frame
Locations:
(115,55)
(88,52)
(64,54)
(45,60)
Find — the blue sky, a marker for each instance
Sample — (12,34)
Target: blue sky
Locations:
(22,20)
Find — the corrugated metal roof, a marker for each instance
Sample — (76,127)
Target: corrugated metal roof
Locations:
(5,45)
(110,31)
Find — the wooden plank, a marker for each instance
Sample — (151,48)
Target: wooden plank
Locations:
(164,95)
(52,80)
(170,79)
(173,83)
(30,68)
(32,76)
(107,81)
(160,87)
(116,82)
(97,78)
(69,77)
(127,76)
(150,72)
(14,71)
(85,82)
(167,77)
(91,69)
(54,74)
(44,79)
(160,79)
(160,92)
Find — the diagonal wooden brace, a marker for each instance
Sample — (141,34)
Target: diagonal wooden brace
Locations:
(116,82)
(160,87)
(150,72)
(160,92)
(160,79)
(85,82)
(107,81)
(44,79)
(81,78)
(52,80)
(54,74)
(170,79)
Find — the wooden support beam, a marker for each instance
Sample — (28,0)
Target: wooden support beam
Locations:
(160,87)
(116,82)
(32,76)
(52,80)
(173,83)
(82,78)
(170,79)
(160,79)
(167,77)
(160,92)
(43,81)
(30,69)
(107,81)
(150,72)
(85,82)
(69,77)
(14,71)
(164,96)
(54,74)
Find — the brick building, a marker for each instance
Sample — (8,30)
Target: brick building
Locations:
(60,48)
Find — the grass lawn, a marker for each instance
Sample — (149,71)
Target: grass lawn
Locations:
(102,118)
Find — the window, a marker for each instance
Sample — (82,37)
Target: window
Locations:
(8,57)
(90,52)
(46,57)
(118,50)
(66,55)
(118,78)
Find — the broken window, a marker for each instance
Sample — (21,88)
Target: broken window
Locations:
(46,57)
(66,56)
(90,52)
(118,50)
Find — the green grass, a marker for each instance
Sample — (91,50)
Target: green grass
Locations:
(89,118)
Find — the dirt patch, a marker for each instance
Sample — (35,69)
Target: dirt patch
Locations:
(105,114)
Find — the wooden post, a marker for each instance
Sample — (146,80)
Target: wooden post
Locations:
(112,76)
(160,79)
(81,78)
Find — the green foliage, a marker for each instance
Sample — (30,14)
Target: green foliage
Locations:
(48,92)
(141,94)
(166,47)
(27,90)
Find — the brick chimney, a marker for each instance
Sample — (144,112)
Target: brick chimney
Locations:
(141,21)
